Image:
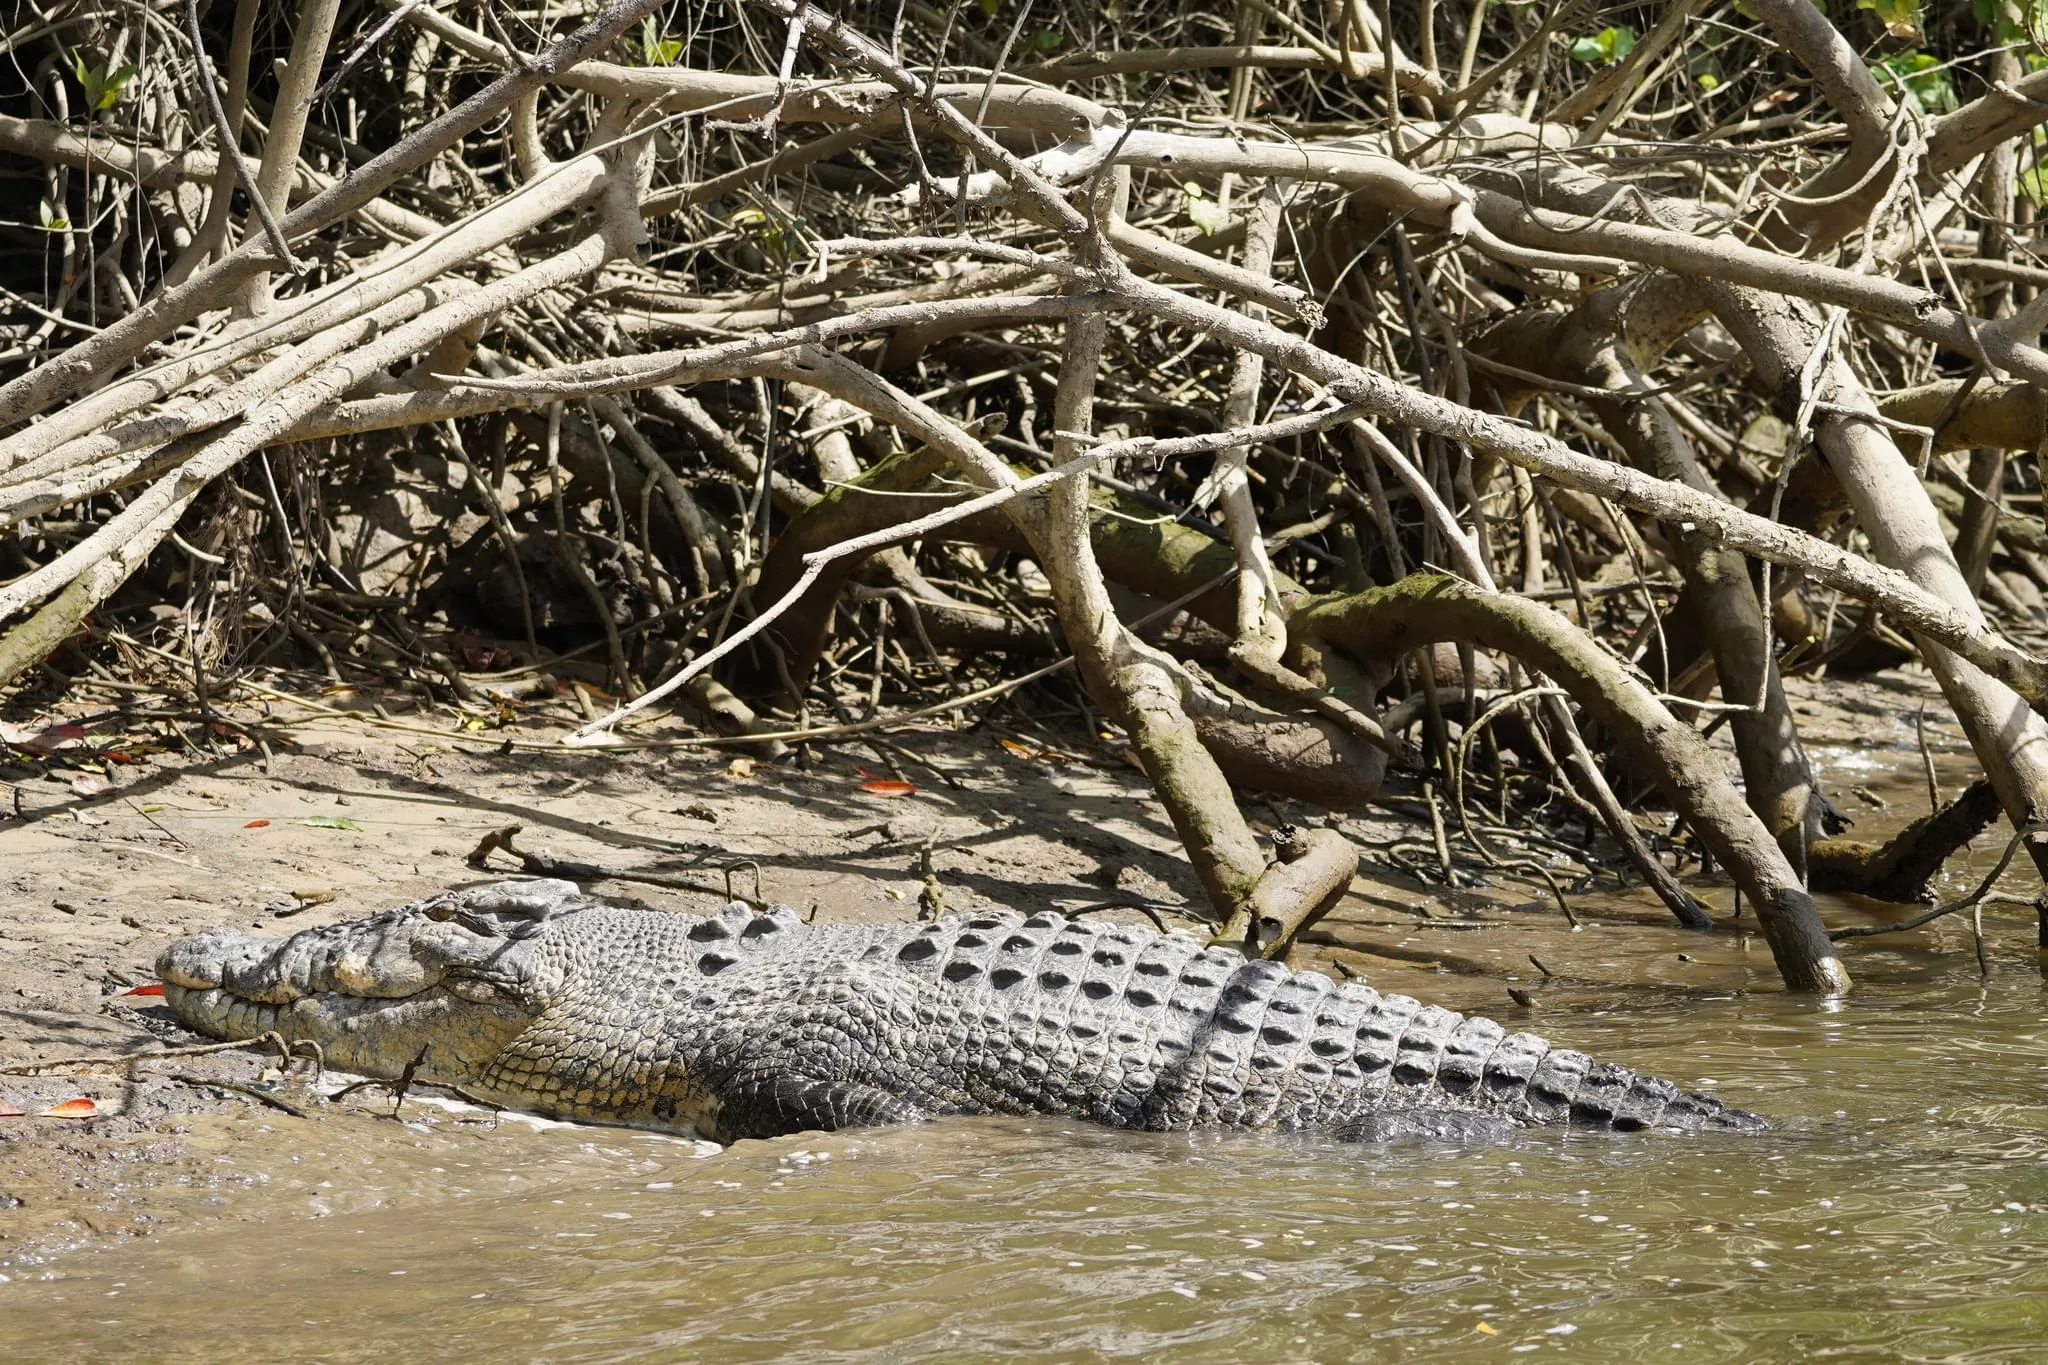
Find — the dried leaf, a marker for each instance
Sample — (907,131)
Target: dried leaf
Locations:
(47,740)
(887,786)
(80,1108)
(1488,1328)
(740,767)
(1033,752)
(8,1111)
(90,784)
(257,824)
(152,988)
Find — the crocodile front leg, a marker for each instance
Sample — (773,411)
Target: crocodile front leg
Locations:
(795,1104)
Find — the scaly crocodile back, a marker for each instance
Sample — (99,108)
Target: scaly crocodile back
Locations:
(1139,1029)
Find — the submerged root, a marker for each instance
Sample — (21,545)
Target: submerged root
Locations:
(1901,869)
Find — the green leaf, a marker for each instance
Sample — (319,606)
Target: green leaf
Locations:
(1204,212)
(2030,25)
(1606,47)
(331,822)
(114,85)
(1924,79)
(102,87)
(2034,186)
(655,50)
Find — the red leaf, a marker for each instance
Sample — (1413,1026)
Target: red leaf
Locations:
(8,1111)
(153,988)
(887,786)
(80,1108)
(257,824)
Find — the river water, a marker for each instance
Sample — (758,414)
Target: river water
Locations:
(1899,1211)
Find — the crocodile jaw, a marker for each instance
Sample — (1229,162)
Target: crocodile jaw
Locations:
(454,1039)
(374,995)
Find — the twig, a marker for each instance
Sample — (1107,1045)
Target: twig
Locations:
(261,1096)
(598,731)
(230,145)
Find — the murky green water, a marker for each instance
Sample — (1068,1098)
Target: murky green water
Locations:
(1899,1212)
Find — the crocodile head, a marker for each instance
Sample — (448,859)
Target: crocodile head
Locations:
(458,976)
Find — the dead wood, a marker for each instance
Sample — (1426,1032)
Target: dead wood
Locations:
(1902,868)
(499,376)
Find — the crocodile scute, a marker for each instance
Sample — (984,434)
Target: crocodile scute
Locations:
(534,996)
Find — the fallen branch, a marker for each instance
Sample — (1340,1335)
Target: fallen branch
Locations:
(1425,608)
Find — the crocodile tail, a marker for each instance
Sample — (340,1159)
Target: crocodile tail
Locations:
(1564,1086)
(1425,1051)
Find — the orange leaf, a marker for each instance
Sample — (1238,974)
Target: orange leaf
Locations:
(153,988)
(8,1111)
(887,786)
(80,1108)
(256,824)
(1021,750)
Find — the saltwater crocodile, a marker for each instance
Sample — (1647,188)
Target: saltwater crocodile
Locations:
(533,996)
